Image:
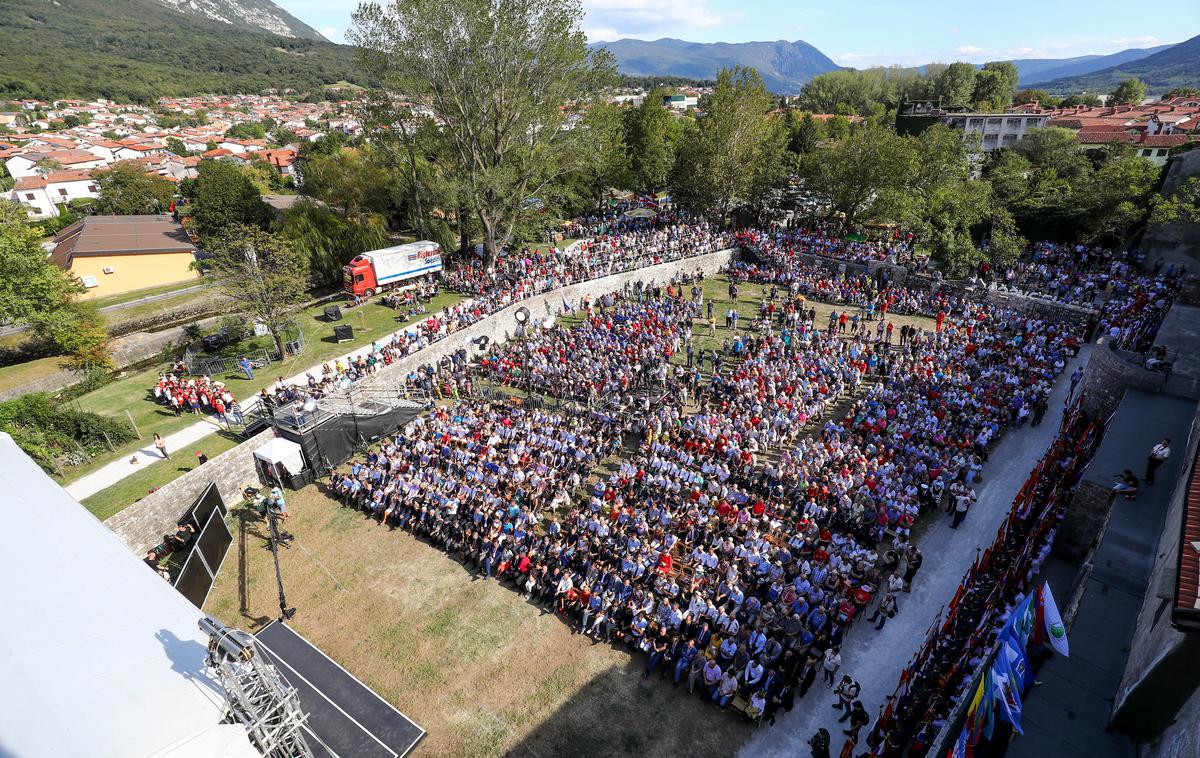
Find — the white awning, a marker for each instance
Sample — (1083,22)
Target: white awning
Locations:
(282,453)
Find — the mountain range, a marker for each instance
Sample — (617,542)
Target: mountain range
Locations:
(784,66)
(787,66)
(139,50)
(255,15)
(1177,66)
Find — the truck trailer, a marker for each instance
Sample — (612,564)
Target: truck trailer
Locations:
(380,270)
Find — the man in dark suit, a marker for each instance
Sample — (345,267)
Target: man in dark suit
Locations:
(808,675)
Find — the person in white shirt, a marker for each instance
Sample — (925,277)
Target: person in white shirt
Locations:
(1158,455)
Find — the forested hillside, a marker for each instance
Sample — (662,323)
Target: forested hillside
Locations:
(138,50)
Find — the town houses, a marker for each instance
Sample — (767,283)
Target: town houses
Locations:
(51,151)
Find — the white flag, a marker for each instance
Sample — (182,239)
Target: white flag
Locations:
(1055,629)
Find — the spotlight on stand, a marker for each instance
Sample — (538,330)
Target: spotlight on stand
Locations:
(522,316)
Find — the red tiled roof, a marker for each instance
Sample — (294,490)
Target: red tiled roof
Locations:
(30,182)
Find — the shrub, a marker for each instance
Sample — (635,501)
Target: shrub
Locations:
(49,431)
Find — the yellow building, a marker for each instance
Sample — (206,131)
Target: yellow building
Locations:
(116,254)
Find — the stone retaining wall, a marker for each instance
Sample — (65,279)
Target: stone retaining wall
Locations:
(126,351)
(1111,372)
(141,525)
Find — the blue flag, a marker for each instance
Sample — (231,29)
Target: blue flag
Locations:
(1018,662)
(1008,694)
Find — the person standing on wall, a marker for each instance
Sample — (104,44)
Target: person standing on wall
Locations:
(1158,455)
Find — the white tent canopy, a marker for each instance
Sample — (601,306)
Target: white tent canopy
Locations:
(283,454)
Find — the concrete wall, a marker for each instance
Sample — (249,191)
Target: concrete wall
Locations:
(1111,372)
(142,525)
(1163,667)
(502,325)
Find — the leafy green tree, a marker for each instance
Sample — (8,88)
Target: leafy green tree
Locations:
(176,146)
(223,196)
(955,86)
(1039,96)
(837,127)
(127,190)
(328,240)
(851,175)
(496,76)
(652,135)
(247,130)
(995,84)
(263,275)
(1054,148)
(354,181)
(1182,206)
(607,161)
(12,212)
(733,139)
(1115,198)
(1084,98)
(1131,91)
(37,293)
(1174,92)
(803,133)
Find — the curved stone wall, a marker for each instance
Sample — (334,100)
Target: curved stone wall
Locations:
(142,525)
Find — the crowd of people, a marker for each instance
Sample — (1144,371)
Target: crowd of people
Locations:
(181,394)
(750,528)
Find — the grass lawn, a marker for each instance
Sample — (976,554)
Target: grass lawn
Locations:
(481,670)
(20,373)
(125,297)
(136,486)
(131,392)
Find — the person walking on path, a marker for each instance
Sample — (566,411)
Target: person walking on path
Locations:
(161,445)
(858,719)
(885,610)
(1075,379)
(1158,455)
(819,743)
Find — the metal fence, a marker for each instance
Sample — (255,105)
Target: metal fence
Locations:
(200,364)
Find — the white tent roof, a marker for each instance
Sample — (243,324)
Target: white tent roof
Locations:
(99,656)
(277,449)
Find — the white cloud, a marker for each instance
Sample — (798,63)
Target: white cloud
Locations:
(968,50)
(955,30)
(333,34)
(648,19)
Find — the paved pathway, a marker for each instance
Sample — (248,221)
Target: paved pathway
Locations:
(876,659)
(108,475)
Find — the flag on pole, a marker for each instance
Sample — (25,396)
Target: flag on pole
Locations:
(1021,623)
(1052,622)
(1019,663)
(1007,696)
(987,717)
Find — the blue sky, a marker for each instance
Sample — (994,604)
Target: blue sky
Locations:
(868,32)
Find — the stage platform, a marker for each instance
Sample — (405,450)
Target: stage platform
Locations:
(346,719)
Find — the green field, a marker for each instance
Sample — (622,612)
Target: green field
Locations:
(132,392)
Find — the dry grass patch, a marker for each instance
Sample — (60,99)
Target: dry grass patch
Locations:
(483,671)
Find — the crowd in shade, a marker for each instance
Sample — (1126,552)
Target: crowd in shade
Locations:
(746,528)
(623,247)
(775,263)
(883,243)
(997,595)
